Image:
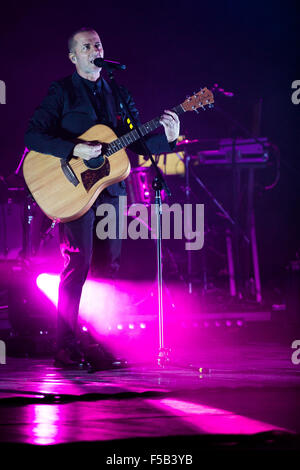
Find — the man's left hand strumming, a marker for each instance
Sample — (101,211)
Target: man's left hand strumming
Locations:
(171,124)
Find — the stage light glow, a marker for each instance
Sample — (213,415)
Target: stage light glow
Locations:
(48,283)
(101,301)
(213,420)
(109,309)
(45,429)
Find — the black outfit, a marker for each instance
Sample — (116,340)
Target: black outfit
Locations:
(72,106)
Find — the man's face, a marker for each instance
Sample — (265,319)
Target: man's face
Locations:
(87,47)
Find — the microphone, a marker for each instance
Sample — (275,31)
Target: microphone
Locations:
(108,64)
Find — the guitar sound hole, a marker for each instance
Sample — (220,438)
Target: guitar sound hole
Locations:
(97,162)
(94,162)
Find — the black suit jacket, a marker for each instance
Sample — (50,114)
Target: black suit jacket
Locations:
(67,112)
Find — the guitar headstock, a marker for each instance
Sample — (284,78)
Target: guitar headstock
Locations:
(203,98)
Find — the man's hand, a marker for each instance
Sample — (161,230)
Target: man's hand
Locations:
(87,150)
(171,124)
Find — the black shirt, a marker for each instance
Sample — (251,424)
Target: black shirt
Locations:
(97,97)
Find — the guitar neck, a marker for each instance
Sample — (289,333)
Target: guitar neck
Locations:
(133,136)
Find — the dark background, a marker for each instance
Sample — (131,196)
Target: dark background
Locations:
(172,49)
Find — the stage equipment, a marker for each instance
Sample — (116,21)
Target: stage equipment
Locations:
(32,316)
(30,311)
(169,163)
(248,152)
(11,229)
(108,64)
(237,155)
(293,290)
(11,216)
(23,229)
(139,187)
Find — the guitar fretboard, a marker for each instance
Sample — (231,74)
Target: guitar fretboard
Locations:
(133,136)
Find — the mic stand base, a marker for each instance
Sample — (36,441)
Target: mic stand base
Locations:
(163,358)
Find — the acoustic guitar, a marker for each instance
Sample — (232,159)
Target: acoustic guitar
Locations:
(65,190)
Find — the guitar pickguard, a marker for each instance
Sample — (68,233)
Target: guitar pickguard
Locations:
(90,177)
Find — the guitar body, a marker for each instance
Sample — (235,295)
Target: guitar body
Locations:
(56,195)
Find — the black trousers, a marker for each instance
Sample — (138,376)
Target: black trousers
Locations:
(77,239)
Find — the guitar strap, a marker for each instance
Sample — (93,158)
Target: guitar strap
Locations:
(120,111)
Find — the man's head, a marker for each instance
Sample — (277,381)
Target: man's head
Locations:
(84,46)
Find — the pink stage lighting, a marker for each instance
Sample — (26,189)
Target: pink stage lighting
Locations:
(102,304)
(123,312)
(48,283)
(213,420)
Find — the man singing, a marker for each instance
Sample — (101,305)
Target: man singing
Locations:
(72,106)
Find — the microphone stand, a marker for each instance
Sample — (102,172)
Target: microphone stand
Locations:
(158,184)
(187,196)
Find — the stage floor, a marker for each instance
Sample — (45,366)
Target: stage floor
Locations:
(249,389)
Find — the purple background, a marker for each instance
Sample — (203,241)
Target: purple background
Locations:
(172,49)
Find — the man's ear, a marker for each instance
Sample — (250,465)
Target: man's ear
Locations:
(72,57)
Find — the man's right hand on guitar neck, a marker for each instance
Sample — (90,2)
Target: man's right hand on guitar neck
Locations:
(88,150)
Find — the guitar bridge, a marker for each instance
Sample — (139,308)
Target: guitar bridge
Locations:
(69,173)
